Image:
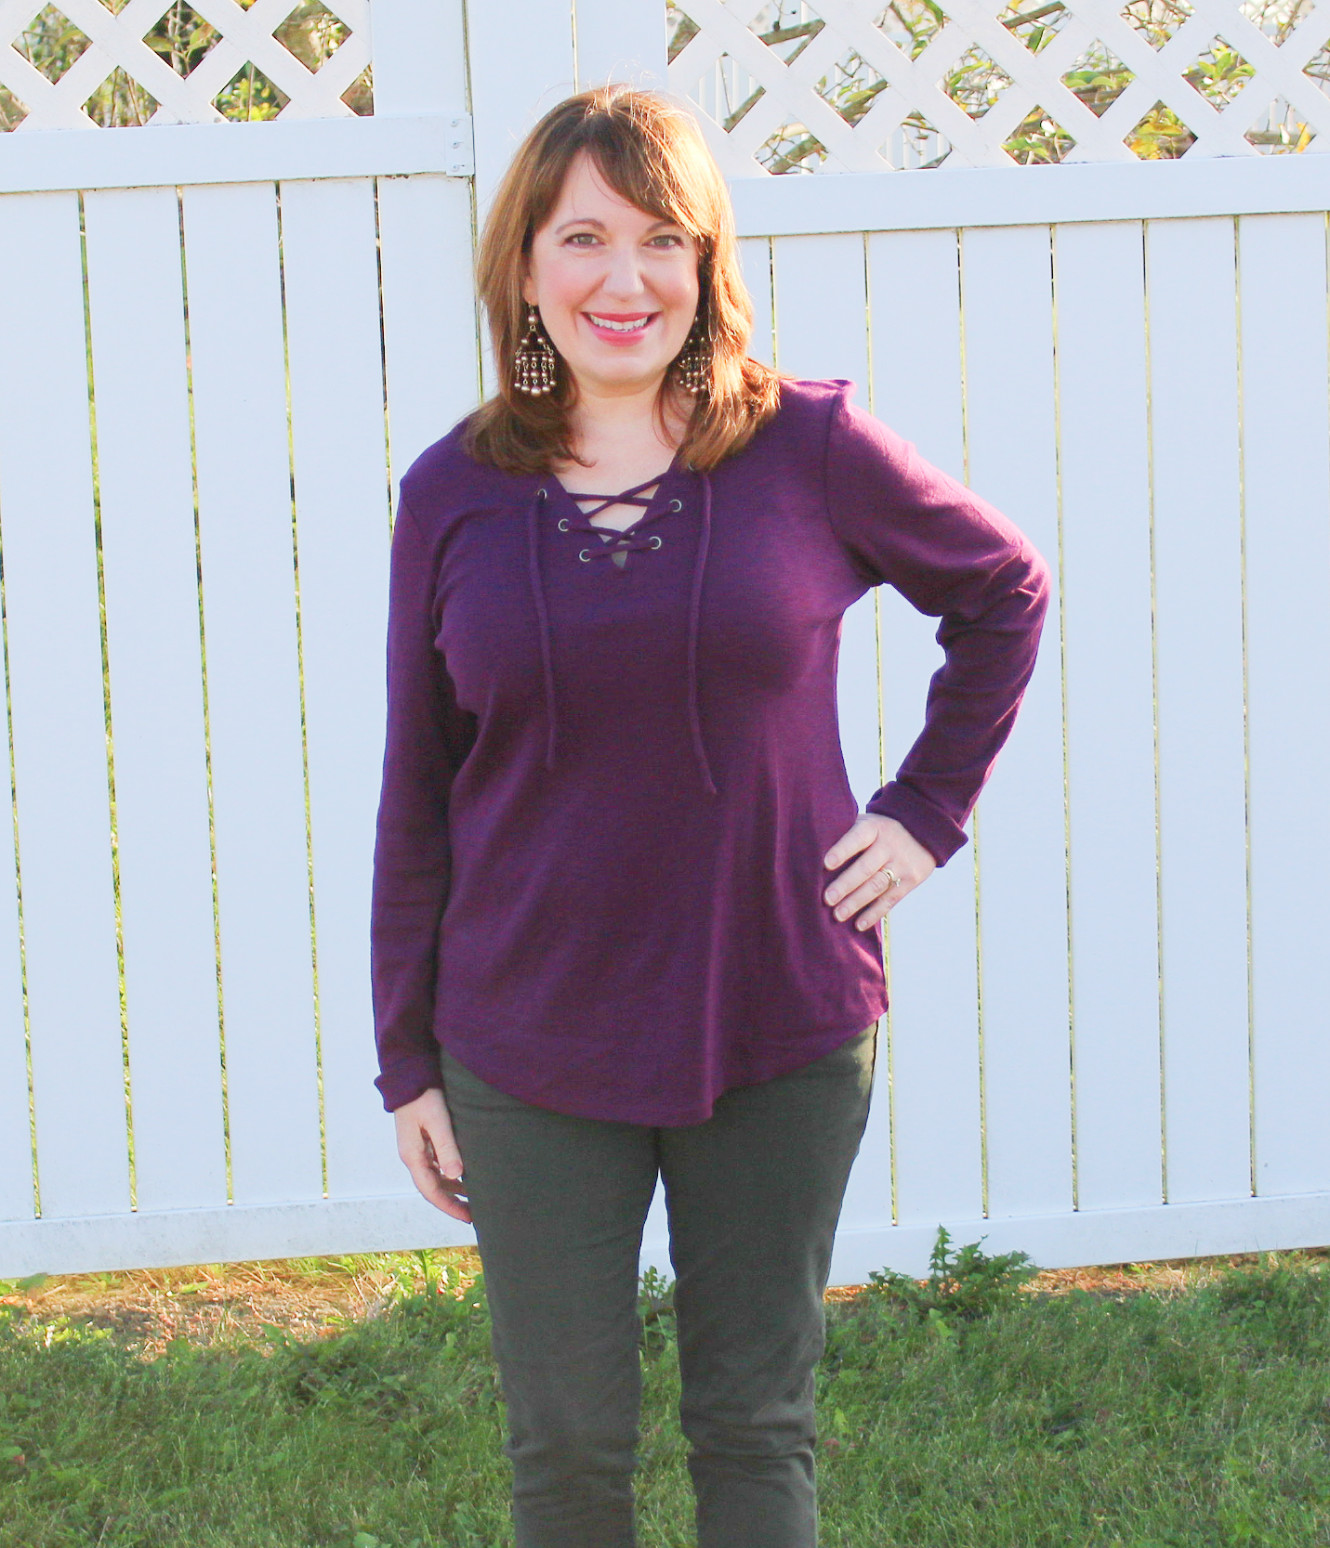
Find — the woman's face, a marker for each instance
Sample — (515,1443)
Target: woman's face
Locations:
(616,286)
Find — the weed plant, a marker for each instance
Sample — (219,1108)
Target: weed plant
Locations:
(962,1285)
(961,1413)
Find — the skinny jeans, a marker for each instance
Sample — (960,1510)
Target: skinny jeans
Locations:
(753,1195)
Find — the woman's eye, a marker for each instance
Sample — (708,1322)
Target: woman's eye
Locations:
(668,239)
(582,239)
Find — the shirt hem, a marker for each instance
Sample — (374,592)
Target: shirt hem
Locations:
(793,1057)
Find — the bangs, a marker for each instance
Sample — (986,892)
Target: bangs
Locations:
(660,173)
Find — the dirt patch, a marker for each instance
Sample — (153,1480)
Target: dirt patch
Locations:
(313,1298)
(214,1303)
(1168,1276)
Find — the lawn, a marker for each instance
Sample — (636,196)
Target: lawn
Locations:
(353,1404)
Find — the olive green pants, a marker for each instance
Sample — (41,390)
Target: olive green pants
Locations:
(753,1195)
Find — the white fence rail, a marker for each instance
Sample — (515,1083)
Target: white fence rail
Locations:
(1108,1036)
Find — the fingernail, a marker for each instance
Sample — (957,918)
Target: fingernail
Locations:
(831,896)
(453,1171)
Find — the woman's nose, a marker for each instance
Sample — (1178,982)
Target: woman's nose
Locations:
(624,275)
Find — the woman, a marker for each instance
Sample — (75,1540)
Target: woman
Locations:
(626,913)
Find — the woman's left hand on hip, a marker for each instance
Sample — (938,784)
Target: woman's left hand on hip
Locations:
(889,864)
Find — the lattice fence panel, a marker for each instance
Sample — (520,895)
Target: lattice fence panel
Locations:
(86,64)
(848,85)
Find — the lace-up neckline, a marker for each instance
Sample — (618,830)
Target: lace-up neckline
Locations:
(616,541)
(630,540)
(635,496)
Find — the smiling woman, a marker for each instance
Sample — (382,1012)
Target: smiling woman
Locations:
(620,210)
(626,909)
(615,286)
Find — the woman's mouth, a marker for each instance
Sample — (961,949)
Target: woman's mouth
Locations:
(618,329)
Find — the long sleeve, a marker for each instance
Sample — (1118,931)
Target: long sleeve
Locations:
(953,557)
(427,738)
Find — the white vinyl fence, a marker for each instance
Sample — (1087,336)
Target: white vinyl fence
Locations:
(221,345)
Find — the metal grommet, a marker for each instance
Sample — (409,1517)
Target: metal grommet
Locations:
(676,505)
(542,494)
(656,540)
(584,556)
(563,524)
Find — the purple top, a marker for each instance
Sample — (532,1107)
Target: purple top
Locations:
(608,790)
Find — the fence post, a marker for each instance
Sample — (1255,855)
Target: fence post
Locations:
(527,54)
(620,40)
(419,56)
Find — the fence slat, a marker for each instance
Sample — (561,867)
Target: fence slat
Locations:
(429,317)
(914,295)
(933,1022)
(755,255)
(821,331)
(342,519)
(1021,830)
(620,40)
(16,1197)
(412,79)
(914,387)
(935,1120)
(1283,300)
(244,485)
(814,336)
(822,308)
(152,623)
(1202,795)
(46,505)
(1110,730)
(512,87)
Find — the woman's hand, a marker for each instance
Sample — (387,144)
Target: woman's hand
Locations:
(426,1145)
(891,864)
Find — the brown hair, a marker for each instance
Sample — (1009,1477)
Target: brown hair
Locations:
(651,153)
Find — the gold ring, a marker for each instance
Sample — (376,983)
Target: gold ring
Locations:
(892,879)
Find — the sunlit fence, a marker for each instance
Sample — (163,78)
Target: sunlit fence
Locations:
(221,346)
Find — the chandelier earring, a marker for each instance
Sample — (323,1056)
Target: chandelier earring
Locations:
(693,362)
(535,364)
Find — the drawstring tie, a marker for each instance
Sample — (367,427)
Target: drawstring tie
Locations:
(632,541)
(694,613)
(543,621)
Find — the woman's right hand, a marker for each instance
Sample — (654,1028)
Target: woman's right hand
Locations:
(429,1151)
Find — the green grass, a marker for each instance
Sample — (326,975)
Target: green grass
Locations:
(1146,1419)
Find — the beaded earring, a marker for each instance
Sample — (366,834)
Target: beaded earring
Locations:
(693,362)
(535,362)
